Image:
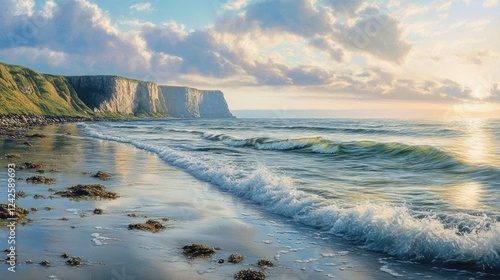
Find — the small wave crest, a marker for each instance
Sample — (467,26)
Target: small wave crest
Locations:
(428,156)
(382,227)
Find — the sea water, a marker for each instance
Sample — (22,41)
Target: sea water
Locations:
(421,191)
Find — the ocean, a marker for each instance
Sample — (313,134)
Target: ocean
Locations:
(422,191)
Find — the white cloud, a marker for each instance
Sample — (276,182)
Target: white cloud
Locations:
(490,3)
(142,6)
(235,4)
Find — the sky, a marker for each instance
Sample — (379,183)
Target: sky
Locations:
(341,58)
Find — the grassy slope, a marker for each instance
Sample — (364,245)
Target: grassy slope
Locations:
(24,91)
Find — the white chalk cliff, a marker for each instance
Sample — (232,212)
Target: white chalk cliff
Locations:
(185,102)
(118,95)
(126,96)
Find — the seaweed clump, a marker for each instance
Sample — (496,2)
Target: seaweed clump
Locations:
(150,225)
(264,262)
(94,191)
(30,165)
(73,261)
(249,274)
(102,175)
(198,250)
(40,179)
(17,212)
(235,258)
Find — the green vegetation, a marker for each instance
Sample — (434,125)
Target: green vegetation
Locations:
(24,91)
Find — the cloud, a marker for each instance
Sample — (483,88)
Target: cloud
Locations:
(327,45)
(142,6)
(494,93)
(294,16)
(490,3)
(345,7)
(476,58)
(199,51)
(379,35)
(234,4)
(77,29)
(371,32)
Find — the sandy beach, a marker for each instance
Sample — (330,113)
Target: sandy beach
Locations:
(192,211)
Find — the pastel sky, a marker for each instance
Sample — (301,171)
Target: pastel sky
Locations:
(354,58)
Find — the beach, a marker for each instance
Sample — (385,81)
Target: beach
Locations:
(192,211)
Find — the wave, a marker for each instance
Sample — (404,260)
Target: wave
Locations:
(388,228)
(380,129)
(332,129)
(425,155)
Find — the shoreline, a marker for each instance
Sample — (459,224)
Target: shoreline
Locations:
(151,189)
(17,126)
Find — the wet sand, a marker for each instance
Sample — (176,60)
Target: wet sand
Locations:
(150,189)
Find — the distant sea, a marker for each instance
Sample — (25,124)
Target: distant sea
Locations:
(421,191)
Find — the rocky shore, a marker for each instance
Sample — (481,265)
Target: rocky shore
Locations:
(16,126)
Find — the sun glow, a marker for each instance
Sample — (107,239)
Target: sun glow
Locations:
(465,196)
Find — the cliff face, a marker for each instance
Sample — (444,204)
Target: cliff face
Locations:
(185,102)
(119,95)
(24,91)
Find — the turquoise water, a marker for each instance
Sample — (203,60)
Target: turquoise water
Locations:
(424,191)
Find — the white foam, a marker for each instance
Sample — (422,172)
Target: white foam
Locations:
(385,268)
(100,240)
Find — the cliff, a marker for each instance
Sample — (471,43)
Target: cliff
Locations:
(26,92)
(119,95)
(185,102)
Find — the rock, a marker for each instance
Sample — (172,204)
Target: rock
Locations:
(30,165)
(45,263)
(166,219)
(73,261)
(92,191)
(65,255)
(40,179)
(221,261)
(17,212)
(197,250)
(98,211)
(21,194)
(150,225)
(235,258)
(48,208)
(64,219)
(33,209)
(28,144)
(102,175)
(37,135)
(249,274)
(134,215)
(38,196)
(264,262)
(29,261)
